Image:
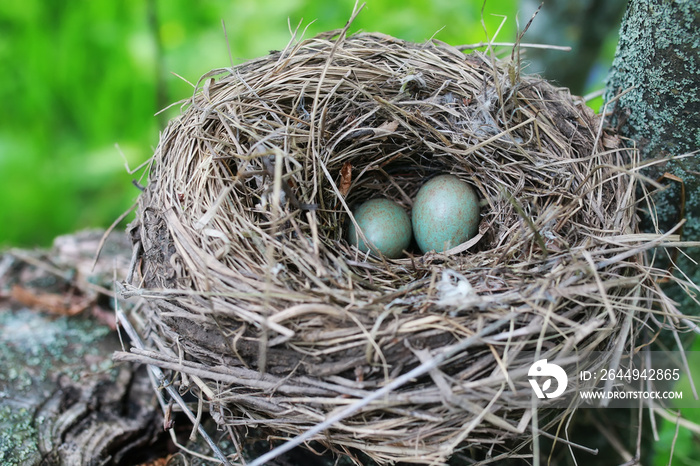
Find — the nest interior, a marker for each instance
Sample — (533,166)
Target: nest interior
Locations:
(251,287)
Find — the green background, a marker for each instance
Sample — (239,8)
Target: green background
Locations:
(78,78)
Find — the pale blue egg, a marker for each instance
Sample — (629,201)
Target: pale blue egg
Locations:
(386,226)
(445,213)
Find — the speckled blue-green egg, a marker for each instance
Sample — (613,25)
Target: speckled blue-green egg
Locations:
(445,214)
(386,226)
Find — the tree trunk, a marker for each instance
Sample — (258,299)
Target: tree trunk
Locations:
(656,74)
(657,69)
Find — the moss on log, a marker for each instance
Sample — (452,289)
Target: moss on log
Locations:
(62,399)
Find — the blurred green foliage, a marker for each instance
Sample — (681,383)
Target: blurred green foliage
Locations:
(79,77)
(679,445)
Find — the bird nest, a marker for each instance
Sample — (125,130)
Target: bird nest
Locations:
(255,298)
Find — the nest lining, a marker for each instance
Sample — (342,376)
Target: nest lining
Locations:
(251,287)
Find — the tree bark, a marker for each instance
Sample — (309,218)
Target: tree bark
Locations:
(657,71)
(653,91)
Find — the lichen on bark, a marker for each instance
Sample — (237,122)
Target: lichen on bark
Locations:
(657,58)
(657,71)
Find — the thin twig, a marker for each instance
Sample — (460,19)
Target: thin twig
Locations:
(393,385)
(160,377)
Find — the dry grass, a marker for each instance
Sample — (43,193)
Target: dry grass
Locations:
(252,294)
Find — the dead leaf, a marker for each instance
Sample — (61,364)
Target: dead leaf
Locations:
(159,462)
(610,141)
(59,304)
(386,128)
(345,178)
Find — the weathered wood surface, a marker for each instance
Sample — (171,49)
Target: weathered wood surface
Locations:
(62,399)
